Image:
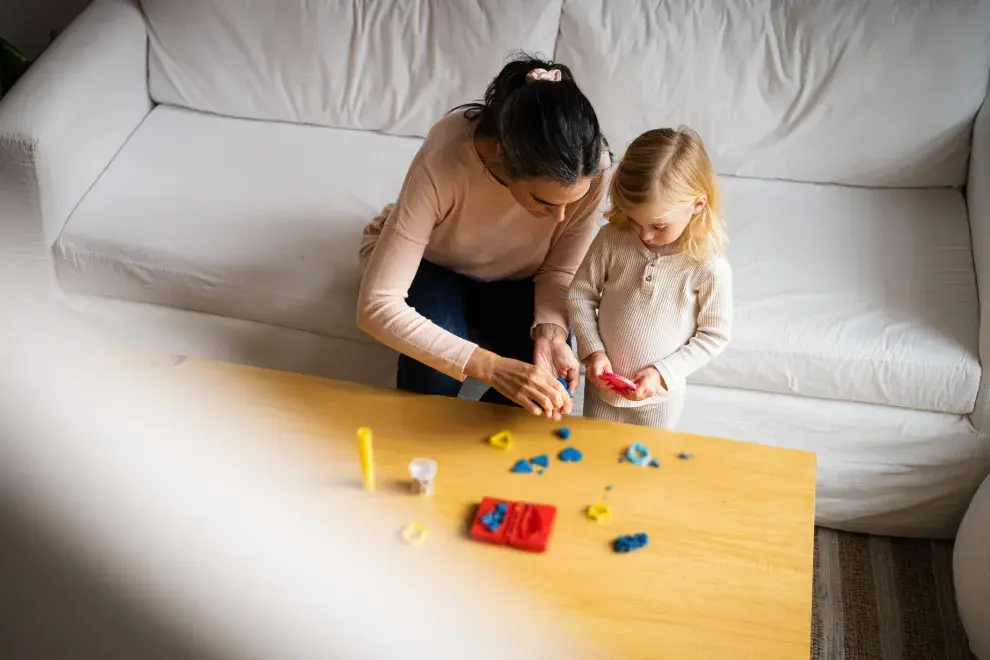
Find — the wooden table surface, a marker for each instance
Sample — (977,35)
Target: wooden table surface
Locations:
(728,570)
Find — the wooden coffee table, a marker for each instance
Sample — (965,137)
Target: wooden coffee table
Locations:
(728,570)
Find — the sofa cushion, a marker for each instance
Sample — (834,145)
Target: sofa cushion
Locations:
(841,293)
(851,294)
(861,92)
(253,220)
(376,64)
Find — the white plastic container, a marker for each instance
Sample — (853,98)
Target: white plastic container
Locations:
(422,472)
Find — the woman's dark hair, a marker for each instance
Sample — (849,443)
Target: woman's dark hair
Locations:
(545,128)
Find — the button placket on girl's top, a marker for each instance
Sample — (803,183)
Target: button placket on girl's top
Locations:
(648,275)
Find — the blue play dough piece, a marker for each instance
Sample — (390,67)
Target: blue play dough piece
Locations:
(563,381)
(638,454)
(522,466)
(630,542)
(542,460)
(564,433)
(685,456)
(570,455)
(654,463)
(494,518)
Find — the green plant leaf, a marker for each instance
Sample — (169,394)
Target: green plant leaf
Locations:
(13,64)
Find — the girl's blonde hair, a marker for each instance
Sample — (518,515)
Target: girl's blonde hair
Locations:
(674,164)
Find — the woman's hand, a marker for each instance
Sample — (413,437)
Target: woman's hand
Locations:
(598,364)
(534,388)
(552,352)
(649,383)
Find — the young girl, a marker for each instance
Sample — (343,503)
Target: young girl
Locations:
(652,300)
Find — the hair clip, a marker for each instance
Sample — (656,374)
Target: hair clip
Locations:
(553,75)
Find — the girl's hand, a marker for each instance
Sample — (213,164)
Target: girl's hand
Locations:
(649,383)
(534,388)
(598,364)
(556,356)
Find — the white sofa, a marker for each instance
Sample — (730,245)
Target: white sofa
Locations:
(213,164)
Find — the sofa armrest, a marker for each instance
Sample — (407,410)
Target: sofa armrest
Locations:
(68,116)
(978,204)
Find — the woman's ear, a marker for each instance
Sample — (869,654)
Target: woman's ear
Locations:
(699,204)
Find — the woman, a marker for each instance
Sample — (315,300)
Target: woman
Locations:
(494,217)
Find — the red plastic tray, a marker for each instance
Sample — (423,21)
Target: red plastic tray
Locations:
(526,526)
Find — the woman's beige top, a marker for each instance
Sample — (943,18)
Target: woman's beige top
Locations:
(453,213)
(645,309)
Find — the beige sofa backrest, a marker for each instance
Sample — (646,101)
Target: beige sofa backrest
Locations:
(380,65)
(860,92)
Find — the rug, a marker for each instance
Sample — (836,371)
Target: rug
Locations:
(881,598)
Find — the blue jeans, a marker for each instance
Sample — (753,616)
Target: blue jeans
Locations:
(498,314)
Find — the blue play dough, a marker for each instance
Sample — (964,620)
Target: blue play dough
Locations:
(564,433)
(685,457)
(542,460)
(570,455)
(654,463)
(638,454)
(522,466)
(563,381)
(494,518)
(630,542)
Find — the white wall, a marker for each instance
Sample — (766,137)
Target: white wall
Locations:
(26,23)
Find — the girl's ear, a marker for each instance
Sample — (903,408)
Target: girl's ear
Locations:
(699,204)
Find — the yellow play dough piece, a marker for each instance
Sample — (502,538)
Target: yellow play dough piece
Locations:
(501,440)
(414,533)
(600,512)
